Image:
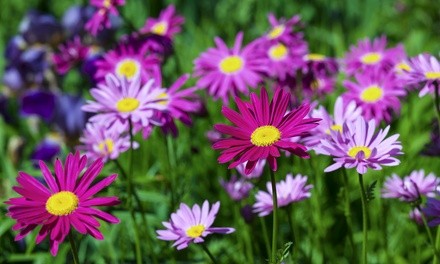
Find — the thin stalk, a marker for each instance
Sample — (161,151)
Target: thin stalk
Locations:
(275,217)
(430,237)
(73,248)
(171,166)
(265,235)
(205,248)
(347,213)
(437,244)
(364,221)
(437,101)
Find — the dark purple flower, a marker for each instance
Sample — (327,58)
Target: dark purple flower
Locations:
(433,147)
(46,150)
(38,103)
(41,28)
(69,117)
(432,210)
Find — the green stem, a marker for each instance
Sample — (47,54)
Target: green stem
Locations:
(437,102)
(275,217)
(73,248)
(430,237)
(364,220)
(244,234)
(347,213)
(171,166)
(265,236)
(205,248)
(437,243)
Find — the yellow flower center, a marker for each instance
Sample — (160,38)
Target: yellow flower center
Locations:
(355,150)
(160,28)
(371,58)
(278,52)
(432,75)
(316,84)
(372,94)
(335,127)
(401,67)
(265,136)
(195,231)
(127,104)
(106,146)
(163,98)
(127,68)
(231,64)
(107,3)
(276,32)
(62,203)
(315,57)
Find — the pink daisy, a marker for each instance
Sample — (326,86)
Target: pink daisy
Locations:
(282,30)
(65,200)
(101,18)
(425,69)
(223,70)
(168,24)
(70,54)
(261,129)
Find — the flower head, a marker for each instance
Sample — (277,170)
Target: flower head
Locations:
(423,69)
(70,54)
(289,191)
(432,210)
(357,145)
(256,173)
(261,129)
(101,18)
(65,200)
(223,70)
(167,24)
(410,188)
(282,29)
(238,189)
(191,225)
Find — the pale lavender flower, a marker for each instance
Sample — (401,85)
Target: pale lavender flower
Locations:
(416,216)
(289,191)
(256,173)
(238,189)
(425,69)
(191,225)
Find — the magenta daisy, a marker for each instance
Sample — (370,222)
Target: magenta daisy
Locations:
(412,187)
(70,54)
(261,129)
(357,145)
(223,70)
(377,93)
(101,18)
(128,62)
(282,30)
(65,200)
(320,64)
(167,24)
(424,69)
(98,141)
(118,101)
(367,55)
(289,191)
(192,225)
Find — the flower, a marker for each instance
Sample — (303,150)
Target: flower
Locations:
(168,24)
(223,70)
(261,129)
(289,191)
(348,113)
(101,142)
(40,103)
(191,225)
(256,173)
(416,216)
(432,210)
(357,145)
(66,200)
(368,55)
(281,30)
(46,150)
(377,93)
(238,189)
(69,118)
(320,64)
(101,18)
(70,54)
(410,188)
(118,101)
(424,68)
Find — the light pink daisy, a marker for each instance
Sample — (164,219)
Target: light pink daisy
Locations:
(65,200)
(423,69)
(167,24)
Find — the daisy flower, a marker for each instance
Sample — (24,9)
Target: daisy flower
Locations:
(191,225)
(367,55)
(357,145)
(101,18)
(289,191)
(64,201)
(118,101)
(128,62)
(320,64)
(261,129)
(425,69)
(410,188)
(100,142)
(377,93)
(237,189)
(342,113)
(223,70)
(256,173)
(168,24)
(282,30)
(317,84)
(70,54)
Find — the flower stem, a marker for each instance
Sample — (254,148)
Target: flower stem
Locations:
(437,101)
(171,166)
(275,217)
(364,220)
(205,248)
(73,248)
(430,237)
(347,213)
(437,243)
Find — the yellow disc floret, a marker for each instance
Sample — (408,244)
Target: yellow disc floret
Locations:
(276,32)
(432,75)
(371,58)
(372,94)
(195,231)
(106,146)
(231,64)
(127,68)
(128,104)
(278,52)
(265,136)
(62,203)
(315,57)
(160,28)
(163,98)
(355,150)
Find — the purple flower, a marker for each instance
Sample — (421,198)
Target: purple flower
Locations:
(191,225)
(71,53)
(416,216)
(432,210)
(40,28)
(101,18)
(69,117)
(38,103)
(282,30)
(320,64)
(46,150)
(289,191)
(238,189)
(256,173)
(167,24)
(433,147)
(424,68)
(412,187)
(357,145)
